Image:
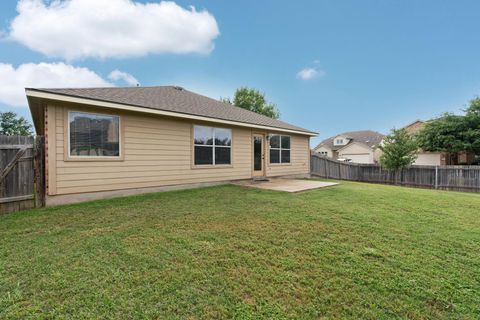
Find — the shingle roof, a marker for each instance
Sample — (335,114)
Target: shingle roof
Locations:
(174,99)
(367,137)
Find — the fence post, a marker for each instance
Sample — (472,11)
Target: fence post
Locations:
(326,171)
(436,177)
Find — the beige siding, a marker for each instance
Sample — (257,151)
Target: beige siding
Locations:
(157,152)
(359,153)
(377,153)
(50,146)
(299,159)
(428,159)
(325,149)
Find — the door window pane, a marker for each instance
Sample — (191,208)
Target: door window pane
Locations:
(257,153)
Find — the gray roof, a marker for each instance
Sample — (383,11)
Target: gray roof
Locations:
(367,137)
(174,99)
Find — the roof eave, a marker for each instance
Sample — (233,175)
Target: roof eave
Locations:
(41,94)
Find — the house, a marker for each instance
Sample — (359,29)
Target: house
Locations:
(426,158)
(437,158)
(356,146)
(104,142)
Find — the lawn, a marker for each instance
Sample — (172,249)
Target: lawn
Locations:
(349,251)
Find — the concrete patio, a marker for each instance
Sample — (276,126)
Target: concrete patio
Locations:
(287,185)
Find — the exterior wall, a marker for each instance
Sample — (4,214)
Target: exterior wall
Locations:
(429,159)
(357,152)
(156,151)
(325,149)
(424,158)
(299,159)
(377,153)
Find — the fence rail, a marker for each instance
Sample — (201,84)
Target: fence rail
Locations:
(460,178)
(21,173)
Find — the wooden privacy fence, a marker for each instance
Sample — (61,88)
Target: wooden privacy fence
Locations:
(21,173)
(461,178)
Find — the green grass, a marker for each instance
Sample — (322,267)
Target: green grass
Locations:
(350,251)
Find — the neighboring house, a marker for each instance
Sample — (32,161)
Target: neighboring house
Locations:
(437,158)
(103,142)
(356,146)
(426,158)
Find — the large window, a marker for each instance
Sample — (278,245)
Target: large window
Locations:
(212,145)
(279,149)
(93,135)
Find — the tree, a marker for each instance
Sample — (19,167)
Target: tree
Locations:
(472,135)
(399,150)
(11,124)
(453,133)
(473,109)
(446,133)
(253,100)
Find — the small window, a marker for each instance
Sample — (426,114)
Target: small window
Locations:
(212,146)
(93,135)
(339,141)
(279,149)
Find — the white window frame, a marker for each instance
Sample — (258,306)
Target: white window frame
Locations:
(120,149)
(213,146)
(280,149)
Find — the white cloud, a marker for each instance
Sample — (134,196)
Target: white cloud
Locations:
(117,75)
(111,28)
(43,75)
(310,73)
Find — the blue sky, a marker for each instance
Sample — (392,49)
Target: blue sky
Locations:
(377,64)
